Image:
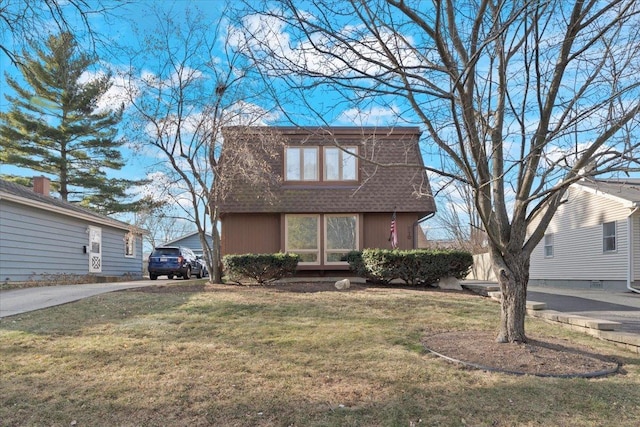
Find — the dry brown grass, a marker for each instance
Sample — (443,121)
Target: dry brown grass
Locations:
(265,356)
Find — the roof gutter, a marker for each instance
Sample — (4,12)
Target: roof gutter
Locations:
(416,225)
(630,249)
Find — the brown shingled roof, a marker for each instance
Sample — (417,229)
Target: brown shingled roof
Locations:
(403,186)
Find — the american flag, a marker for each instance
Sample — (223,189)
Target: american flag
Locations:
(393,236)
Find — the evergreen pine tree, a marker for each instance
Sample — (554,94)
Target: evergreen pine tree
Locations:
(54,126)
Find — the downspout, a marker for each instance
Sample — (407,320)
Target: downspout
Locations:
(630,250)
(415,228)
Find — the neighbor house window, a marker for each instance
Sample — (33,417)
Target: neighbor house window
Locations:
(129,245)
(340,165)
(301,164)
(341,237)
(302,236)
(609,236)
(548,246)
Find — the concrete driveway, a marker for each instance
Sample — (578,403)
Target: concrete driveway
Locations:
(17,301)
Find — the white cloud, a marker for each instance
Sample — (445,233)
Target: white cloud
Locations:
(375,116)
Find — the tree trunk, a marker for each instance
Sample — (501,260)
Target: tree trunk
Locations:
(216,261)
(513,277)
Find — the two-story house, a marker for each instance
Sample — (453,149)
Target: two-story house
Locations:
(337,189)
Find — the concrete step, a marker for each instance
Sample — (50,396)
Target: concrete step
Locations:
(480,288)
(535,305)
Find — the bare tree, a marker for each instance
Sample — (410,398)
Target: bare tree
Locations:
(521,98)
(458,219)
(24,22)
(162,224)
(183,93)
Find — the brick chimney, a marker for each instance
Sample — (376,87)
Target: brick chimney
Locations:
(41,185)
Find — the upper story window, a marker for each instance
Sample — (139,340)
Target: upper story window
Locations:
(609,237)
(301,164)
(340,164)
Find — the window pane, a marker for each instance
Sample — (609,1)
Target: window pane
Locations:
(293,164)
(341,232)
(349,165)
(310,164)
(337,257)
(332,164)
(609,236)
(548,245)
(302,232)
(308,257)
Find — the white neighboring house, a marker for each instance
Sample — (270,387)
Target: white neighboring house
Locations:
(593,240)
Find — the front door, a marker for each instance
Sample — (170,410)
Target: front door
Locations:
(95,249)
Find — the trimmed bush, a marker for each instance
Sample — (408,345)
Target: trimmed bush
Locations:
(415,267)
(261,268)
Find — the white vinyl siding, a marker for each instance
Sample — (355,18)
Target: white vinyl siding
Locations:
(636,246)
(577,234)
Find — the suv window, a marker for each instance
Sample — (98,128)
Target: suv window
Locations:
(166,251)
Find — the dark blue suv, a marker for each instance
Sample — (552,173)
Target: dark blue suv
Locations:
(173,261)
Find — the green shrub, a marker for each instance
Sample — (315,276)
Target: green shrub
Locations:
(261,268)
(415,267)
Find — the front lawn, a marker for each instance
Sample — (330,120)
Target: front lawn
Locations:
(267,356)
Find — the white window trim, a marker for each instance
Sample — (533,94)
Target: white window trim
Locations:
(549,245)
(130,237)
(301,164)
(303,251)
(341,153)
(609,236)
(327,251)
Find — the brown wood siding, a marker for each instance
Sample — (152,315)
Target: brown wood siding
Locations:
(377,229)
(250,233)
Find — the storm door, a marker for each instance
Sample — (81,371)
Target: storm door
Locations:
(95,249)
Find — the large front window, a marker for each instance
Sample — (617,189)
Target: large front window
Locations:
(340,165)
(341,236)
(302,237)
(301,164)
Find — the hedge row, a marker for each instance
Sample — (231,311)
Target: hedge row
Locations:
(415,267)
(261,268)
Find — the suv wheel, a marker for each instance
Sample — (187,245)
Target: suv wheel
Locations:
(153,276)
(187,274)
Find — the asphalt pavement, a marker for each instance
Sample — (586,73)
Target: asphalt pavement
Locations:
(617,306)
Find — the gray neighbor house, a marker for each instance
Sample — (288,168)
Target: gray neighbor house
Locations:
(42,237)
(191,241)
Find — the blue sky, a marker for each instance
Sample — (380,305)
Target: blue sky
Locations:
(130,22)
